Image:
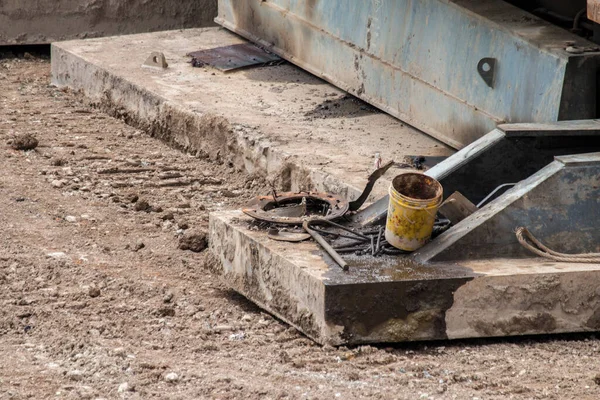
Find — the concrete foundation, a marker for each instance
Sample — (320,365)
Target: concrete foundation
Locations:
(396,299)
(46,21)
(275,120)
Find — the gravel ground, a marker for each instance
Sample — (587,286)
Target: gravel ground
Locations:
(99,299)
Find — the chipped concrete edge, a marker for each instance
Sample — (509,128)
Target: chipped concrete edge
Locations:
(269,279)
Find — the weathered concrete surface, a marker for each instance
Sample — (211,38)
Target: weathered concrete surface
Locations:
(394,299)
(278,120)
(46,21)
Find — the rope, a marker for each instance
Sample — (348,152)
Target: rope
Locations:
(524,236)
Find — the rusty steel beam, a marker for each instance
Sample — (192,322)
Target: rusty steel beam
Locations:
(454,69)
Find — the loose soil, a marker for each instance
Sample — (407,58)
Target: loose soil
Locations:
(100,301)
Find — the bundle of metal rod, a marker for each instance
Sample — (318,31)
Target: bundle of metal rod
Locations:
(371,242)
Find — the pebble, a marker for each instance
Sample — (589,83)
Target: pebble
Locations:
(125,387)
(171,377)
(119,352)
(166,312)
(142,205)
(222,328)
(75,375)
(138,246)
(70,218)
(168,217)
(246,318)
(183,225)
(168,297)
(58,254)
(93,291)
(57,183)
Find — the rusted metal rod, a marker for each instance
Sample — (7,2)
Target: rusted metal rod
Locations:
(326,246)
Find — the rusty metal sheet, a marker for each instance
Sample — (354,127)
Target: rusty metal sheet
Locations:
(229,58)
(419,61)
(293,208)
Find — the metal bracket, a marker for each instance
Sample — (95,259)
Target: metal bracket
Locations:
(156,60)
(487,70)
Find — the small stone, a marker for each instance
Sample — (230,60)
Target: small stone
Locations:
(171,377)
(93,291)
(58,162)
(70,218)
(138,246)
(229,193)
(284,357)
(353,376)
(194,241)
(75,375)
(168,297)
(166,312)
(246,318)
(132,198)
(24,142)
(125,387)
(57,183)
(119,352)
(223,328)
(57,255)
(183,225)
(168,217)
(142,205)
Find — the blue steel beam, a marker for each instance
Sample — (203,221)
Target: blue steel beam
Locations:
(417,59)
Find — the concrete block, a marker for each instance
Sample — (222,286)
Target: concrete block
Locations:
(275,120)
(396,299)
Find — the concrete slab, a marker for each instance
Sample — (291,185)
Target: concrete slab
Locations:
(278,120)
(46,21)
(396,299)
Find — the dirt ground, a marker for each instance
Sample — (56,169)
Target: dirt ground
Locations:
(98,302)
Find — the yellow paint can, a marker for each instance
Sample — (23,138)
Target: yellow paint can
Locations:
(414,201)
